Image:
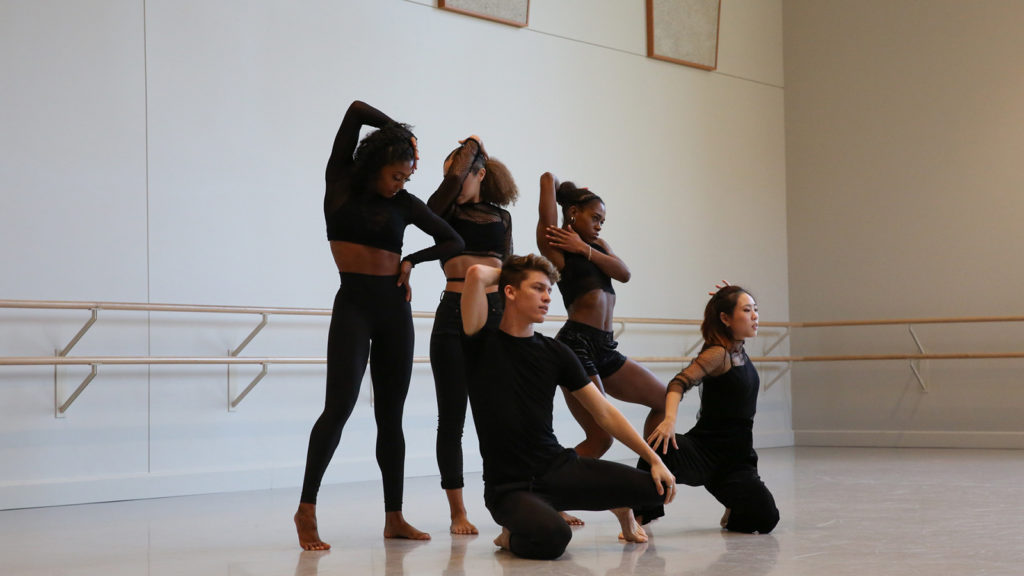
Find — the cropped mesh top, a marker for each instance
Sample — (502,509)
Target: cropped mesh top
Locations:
(485,228)
(365,217)
(580,275)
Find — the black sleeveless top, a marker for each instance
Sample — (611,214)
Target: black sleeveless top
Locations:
(580,275)
(485,228)
(730,399)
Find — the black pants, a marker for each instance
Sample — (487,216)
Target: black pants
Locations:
(529,510)
(723,461)
(448,364)
(367,308)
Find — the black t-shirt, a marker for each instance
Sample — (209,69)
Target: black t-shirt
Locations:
(512,384)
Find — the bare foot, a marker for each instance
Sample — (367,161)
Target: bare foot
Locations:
(462,525)
(725,518)
(631,531)
(395,526)
(571,520)
(460,519)
(504,540)
(305,525)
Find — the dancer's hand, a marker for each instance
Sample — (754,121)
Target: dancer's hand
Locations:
(566,240)
(479,143)
(664,480)
(404,269)
(718,287)
(664,434)
(415,153)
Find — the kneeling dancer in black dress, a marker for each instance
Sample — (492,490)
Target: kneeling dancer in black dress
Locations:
(718,452)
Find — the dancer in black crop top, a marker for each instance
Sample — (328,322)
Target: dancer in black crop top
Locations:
(588,266)
(471,198)
(718,452)
(367,210)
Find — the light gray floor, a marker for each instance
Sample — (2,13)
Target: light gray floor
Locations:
(844,511)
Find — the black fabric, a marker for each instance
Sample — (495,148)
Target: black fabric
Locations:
(731,396)
(364,217)
(595,348)
(366,308)
(580,275)
(529,509)
(448,363)
(512,384)
(485,229)
(718,453)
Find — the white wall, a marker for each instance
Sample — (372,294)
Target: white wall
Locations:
(173,151)
(904,134)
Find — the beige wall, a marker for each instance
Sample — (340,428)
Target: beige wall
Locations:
(905,194)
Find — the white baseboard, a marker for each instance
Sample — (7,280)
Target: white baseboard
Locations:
(63,492)
(910,439)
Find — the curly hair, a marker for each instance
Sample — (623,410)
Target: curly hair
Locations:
(714,331)
(515,268)
(386,145)
(498,186)
(568,195)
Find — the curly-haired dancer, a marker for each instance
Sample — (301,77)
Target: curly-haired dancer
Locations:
(367,210)
(471,198)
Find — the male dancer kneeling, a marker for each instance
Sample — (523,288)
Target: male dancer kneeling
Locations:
(512,376)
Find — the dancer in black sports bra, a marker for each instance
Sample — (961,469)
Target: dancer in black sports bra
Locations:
(588,266)
(718,452)
(367,210)
(471,199)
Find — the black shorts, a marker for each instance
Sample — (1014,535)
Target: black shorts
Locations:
(595,348)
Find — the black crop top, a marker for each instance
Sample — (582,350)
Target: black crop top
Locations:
(580,276)
(367,218)
(485,228)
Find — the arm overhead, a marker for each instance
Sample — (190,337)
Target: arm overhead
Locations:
(474,297)
(548,217)
(443,200)
(339,166)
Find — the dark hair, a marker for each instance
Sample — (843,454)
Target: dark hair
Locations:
(515,268)
(498,186)
(568,195)
(386,145)
(714,331)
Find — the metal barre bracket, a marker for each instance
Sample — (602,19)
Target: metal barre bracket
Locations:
(60,408)
(914,367)
(234,401)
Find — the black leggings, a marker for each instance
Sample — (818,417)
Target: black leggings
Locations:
(448,364)
(366,308)
(529,510)
(723,461)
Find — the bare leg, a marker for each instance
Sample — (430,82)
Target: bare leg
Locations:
(598,441)
(631,530)
(305,525)
(637,385)
(504,540)
(460,519)
(395,526)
